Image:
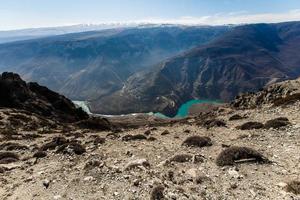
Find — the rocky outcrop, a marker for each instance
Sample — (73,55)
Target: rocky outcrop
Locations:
(272,94)
(16,93)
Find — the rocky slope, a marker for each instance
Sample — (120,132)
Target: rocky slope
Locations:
(33,98)
(244,59)
(275,94)
(226,153)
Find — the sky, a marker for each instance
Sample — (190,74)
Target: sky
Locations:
(19,14)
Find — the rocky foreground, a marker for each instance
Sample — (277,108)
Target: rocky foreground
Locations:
(226,153)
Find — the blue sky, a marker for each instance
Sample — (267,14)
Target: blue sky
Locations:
(15,14)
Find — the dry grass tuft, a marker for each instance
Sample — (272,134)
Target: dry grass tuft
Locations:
(134,137)
(40,154)
(277,123)
(293,187)
(197,141)
(181,158)
(214,123)
(157,193)
(8,157)
(10,146)
(250,126)
(287,100)
(236,117)
(71,147)
(57,141)
(233,155)
(165,132)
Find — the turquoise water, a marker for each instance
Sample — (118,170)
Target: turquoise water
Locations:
(183,111)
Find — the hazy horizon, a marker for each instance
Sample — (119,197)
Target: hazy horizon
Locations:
(18,14)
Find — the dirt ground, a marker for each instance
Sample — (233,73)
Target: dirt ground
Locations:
(133,169)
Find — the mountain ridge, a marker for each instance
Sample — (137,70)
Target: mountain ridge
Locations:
(245,59)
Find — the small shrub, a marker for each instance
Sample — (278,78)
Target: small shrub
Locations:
(10,146)
(181,158)
(197,141)
(250,126)
(137,163)
(91,164)
(236,117)
(57,141)
(71,147)
(277,123)
(30,136)
(8,157)
(293,187)
(152,138)
(112,135)
(157,193)
(95,123)
(99,140)
(9,133)
(165,132)
(287,100)
(40,154)
(148,132)
(3,170)
(214,123)
(232,155)
(134,137)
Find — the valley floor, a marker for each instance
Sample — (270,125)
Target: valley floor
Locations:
(118,169)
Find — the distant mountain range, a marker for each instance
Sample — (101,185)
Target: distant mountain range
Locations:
(90,65)
(34,33)
(158,68)
(244,59)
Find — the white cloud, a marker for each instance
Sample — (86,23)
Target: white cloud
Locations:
(10,21)
(240,17)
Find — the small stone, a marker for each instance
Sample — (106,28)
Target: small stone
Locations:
(137,163)
(281,184)
(136,182)
(234,174)
(88,178)
(57,197)
(165,132)
(46,183)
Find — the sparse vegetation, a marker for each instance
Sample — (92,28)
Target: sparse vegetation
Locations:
(287,100)
(147,132)
(2,169)
(251,125)
(197,141)
(165,132)
(214,123)
(293,187)
(8,157)
(71,147)
(95,123)
(233,155)
(236,117)
(134,137)
(91,164)
(57,141)
(10,146)
(157,193)
(277,123)
(40,154)
(99,140)
(181,158)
